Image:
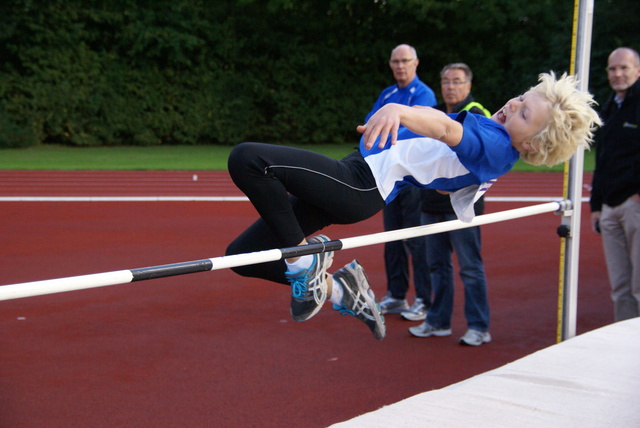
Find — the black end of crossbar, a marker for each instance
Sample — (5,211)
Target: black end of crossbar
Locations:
(303,250)
(163,271)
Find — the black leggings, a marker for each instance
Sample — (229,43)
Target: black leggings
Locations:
(297,192)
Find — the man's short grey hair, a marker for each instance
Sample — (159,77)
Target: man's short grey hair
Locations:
(458,66)
(411,48)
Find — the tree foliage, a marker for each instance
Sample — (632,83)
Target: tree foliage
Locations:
(142,72)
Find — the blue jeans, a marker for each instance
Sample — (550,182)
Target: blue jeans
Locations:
(466,243)
(402,212)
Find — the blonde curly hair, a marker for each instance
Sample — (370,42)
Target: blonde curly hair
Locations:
(572,122)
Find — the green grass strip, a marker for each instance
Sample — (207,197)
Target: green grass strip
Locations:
(162,158)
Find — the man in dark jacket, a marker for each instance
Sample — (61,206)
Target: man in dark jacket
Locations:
(615,194)
(455,81)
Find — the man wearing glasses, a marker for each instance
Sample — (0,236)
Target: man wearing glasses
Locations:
(404,211)
(455,84)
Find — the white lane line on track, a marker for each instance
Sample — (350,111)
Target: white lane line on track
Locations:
(220,199)
(122,198)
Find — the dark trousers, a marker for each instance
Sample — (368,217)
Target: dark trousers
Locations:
(402,212)
(297,192)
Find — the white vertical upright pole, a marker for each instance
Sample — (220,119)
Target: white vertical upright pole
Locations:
(574,183)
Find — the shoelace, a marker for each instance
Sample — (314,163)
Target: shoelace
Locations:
(359,308)
(298,286)
(299,282)
(343,310)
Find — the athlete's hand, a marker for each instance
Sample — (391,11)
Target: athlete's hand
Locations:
(384,122)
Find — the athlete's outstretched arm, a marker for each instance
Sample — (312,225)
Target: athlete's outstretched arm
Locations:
(425,121)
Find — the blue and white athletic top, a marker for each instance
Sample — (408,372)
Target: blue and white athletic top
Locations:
(415,93)
(466,170)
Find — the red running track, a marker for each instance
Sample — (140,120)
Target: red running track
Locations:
(207,183)
(214,349)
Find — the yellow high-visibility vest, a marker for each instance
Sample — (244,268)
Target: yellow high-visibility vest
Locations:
(476,104)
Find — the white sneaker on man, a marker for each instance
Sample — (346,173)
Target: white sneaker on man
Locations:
(417,311)
(391,305)
(475,337)
(426,330)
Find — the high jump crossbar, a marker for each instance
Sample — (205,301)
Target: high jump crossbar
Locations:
(73,283)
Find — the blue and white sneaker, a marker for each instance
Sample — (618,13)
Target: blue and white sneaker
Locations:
(309,286)
(358,299)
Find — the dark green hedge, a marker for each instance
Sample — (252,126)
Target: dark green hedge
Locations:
(126,72)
